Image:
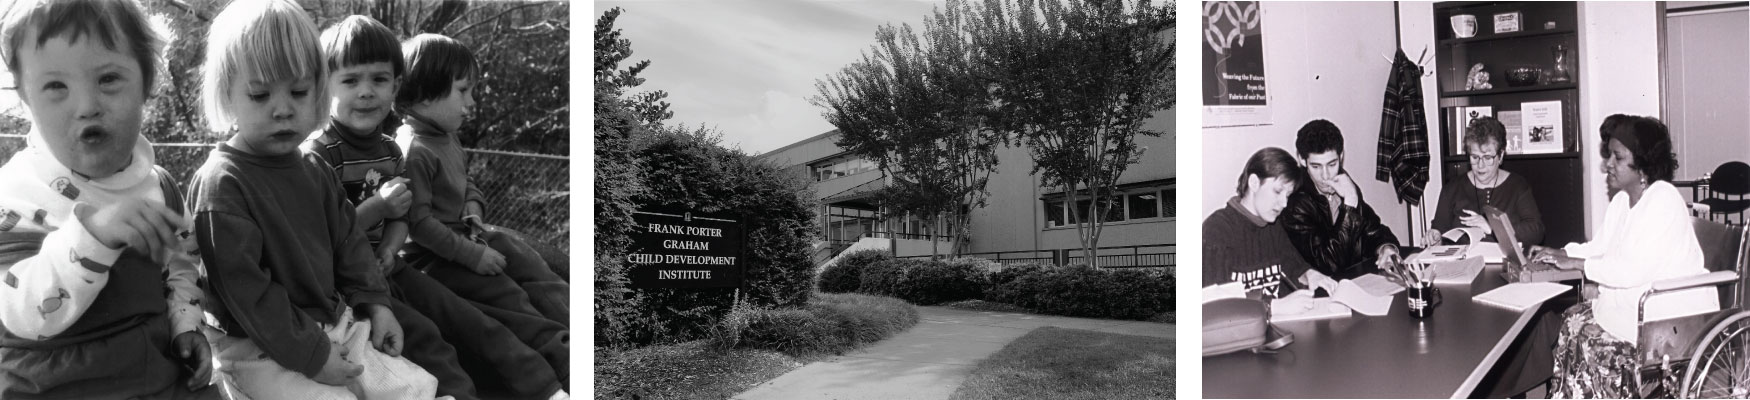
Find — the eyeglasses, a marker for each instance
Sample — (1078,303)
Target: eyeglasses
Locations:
(1478,158)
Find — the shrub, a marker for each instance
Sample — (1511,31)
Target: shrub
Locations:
(691,170)
(1084,291)
(831,323)
(845,275)
(1011,272)
(924,282)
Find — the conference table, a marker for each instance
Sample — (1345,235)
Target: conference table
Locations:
(1389,356)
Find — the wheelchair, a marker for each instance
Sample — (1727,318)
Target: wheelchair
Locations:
(1703,355)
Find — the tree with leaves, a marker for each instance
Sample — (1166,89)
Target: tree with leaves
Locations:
(915,107)
(1074,82)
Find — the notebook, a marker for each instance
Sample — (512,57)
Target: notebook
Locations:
(1521,296)
(1458,272)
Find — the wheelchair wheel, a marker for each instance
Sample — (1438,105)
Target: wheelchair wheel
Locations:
(1720,367)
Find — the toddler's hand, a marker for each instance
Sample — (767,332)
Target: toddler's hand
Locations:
(337,371)
(386,262)
(491,263)
(198,356)
(142,225)
(396,196)
(385,330)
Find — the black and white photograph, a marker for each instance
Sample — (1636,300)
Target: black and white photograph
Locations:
(959,199)
(1499,199)
(280,199)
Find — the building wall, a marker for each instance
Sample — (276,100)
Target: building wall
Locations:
(1013,218)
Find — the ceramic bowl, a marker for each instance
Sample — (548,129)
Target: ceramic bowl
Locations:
(1523,76)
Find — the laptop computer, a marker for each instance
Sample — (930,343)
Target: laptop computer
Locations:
(1519,267)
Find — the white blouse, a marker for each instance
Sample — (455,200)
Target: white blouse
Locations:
(1635,246)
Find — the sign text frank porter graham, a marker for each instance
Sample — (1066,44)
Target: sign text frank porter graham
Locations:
(685,250)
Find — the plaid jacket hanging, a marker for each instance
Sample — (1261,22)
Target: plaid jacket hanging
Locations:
(1403,138)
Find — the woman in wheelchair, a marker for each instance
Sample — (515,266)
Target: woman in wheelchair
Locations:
(1646,236)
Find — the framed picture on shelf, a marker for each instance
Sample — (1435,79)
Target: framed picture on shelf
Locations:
(1515,132)
(1459,119)
(1541,127)
(1507,22)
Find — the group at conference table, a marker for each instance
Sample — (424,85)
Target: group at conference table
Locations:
(1297,225)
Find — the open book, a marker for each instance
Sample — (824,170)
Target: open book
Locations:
(1451,252)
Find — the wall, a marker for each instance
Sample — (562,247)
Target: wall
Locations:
(1013,217)
(1704,103)
(1619,74)
(1316,72)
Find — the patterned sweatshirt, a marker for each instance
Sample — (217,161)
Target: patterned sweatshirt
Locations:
(78,319)
(45,293)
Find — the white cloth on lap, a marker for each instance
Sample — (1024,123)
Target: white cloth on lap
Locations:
(262,378)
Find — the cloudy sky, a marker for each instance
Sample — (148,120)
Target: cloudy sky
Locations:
(748,67)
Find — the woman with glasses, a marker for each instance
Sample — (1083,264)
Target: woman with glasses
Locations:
(1462,200)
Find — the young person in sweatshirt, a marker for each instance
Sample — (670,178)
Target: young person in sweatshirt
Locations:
(1242,242)
(288,267)
(449,241)
(99,297)
(365,68)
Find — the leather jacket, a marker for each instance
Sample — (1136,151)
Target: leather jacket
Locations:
(1342,247)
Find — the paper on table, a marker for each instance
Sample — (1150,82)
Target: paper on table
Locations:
(1231,290)
(1521,296)
(1377,285)
(1364,300)
(1325,308)
(1476,234)
(1458,272)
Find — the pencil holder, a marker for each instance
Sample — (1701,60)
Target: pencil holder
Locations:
(1423,297)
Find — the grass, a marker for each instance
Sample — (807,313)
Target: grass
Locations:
(751,346)
(1056,363)
(691,370)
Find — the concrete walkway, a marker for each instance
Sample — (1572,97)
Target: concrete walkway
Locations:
(931,359)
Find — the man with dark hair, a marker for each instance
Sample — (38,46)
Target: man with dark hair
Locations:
(1327,221)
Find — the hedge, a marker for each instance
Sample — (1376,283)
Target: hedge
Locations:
(829,324)
(924,282)
(844,275)
(1084,291)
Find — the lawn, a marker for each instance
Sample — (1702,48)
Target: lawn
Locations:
(691,370)
(1056,363)
(749,347)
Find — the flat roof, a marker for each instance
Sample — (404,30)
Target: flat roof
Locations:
(799,143)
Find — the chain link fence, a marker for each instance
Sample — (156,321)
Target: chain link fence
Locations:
(529,193)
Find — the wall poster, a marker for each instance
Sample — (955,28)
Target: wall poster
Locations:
(1234,89)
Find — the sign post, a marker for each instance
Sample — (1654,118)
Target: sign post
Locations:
(684,249)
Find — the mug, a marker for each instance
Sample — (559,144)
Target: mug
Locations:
(1464,25)
(1423,297)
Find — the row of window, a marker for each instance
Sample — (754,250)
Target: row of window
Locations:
(840,166)
(1153,203)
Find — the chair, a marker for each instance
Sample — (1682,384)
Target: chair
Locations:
(1727,188)
(1666,346)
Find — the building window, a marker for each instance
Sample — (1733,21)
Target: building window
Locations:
(1134,205)
(1054,213)
(1144,205)
(840,166)
(1168,203)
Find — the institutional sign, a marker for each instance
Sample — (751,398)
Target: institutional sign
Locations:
(685,250)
